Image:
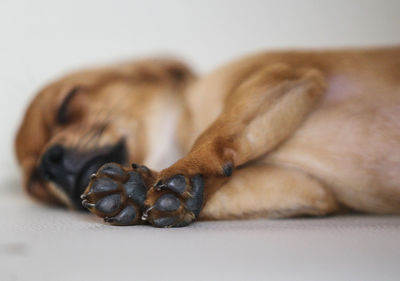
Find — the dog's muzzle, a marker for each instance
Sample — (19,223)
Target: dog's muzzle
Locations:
(70,170)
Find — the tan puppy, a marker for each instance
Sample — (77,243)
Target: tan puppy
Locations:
(275,134)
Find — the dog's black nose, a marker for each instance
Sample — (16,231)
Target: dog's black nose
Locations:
(56,166)
(70,169)
(52,162)
(54,155)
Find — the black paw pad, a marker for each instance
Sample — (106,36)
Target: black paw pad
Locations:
(195,203)
(176,184)
(135,188)
(126,217)
(101,185)
(164,222)
(167,202)
(169,222)
(109,204)
(113,171)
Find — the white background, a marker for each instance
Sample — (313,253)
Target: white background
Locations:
(41,40)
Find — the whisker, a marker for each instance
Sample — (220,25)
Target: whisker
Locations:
(95,135)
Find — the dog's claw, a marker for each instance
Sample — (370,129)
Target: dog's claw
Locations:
(145,214)
(108,219)
(86,204)
(160,186)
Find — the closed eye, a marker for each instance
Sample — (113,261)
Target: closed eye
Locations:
(62,113)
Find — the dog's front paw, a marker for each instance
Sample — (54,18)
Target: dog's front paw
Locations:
(118,195)
(174,202)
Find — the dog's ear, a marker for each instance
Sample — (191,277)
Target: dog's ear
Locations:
(51,107)
(32,135)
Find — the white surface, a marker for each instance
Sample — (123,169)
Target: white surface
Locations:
(38,243)
(41,40)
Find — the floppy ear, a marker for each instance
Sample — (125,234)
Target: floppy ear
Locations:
(32,136)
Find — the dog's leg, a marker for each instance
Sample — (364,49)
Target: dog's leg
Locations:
(118,195)
(269,191)
(258,115)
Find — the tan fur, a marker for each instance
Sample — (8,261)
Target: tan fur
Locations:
(269,191)
(308,132)
(350,142)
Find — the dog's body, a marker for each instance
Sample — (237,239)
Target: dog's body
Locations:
(275,134)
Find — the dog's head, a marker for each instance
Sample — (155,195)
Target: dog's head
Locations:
(77,124)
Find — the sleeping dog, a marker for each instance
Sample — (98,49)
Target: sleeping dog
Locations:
(276,134)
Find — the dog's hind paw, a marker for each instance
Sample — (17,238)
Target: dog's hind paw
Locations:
(118,195)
